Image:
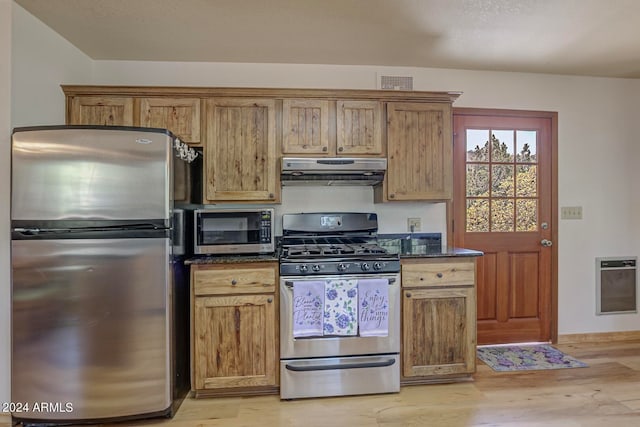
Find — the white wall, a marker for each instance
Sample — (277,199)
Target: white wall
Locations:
(5,133)
(597,134)
(598,147)
(35,62)
(42,61)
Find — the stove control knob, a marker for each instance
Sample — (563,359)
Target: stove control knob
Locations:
(342,267)
(304,268)
(365,266)
(315,267)
(377,266)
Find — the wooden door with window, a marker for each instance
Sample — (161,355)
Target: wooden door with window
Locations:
(504,205)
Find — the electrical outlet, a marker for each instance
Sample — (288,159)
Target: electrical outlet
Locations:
(414,224)
(571,212)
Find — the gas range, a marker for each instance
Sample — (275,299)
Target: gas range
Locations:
(333,243)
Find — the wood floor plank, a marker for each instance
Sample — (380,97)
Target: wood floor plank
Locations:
(606,393)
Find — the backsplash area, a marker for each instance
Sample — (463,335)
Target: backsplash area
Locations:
(392,216)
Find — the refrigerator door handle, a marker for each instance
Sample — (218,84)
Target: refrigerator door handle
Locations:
(27,231)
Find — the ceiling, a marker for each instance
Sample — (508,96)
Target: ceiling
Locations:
(576,37)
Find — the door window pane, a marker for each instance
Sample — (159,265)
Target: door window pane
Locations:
(477,180)
(477,143)
(526,146)
(478,215)
(502,214)
(526,215)
(502,181)
(526,181)
(502,146)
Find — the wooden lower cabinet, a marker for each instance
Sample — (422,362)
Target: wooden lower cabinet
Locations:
(438,320)
(234,329)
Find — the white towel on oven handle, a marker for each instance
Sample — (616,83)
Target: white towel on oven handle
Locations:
(308,308)
(373,307)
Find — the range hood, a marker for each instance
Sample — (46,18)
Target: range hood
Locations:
(332,170)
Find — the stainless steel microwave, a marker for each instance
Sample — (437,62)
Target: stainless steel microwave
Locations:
(233,231)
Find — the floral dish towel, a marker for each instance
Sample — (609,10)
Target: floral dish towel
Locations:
(373,307)
(308,307)
(341,307)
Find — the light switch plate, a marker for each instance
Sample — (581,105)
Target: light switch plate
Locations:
(571,212)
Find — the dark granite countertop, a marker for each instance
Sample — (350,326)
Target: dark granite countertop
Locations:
(414,245)
(231,259)
(445,252)
(421,245)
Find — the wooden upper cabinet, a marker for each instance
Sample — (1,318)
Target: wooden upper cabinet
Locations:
(100,110)
(240,147)
(305,126)
(420,151)
(359,127)
(332,128)
(180,115)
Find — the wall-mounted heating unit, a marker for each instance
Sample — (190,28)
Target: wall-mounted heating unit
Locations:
(616,285)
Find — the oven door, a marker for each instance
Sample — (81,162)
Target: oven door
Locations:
(331,346)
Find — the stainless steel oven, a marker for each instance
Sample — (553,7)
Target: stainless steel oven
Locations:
(233,231)
(321,250)
(338,365)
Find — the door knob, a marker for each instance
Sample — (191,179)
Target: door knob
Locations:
(546,242)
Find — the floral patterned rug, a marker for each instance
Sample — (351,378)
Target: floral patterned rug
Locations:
(527,358)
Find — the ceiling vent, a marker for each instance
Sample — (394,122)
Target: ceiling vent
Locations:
(396,83)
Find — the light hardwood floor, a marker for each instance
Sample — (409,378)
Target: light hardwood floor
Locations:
(607,393)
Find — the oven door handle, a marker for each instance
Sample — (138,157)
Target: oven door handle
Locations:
(357,365)
(289,283)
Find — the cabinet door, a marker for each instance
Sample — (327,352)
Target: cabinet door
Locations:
(439,333)
(359,127)
(420,145)
(234,341)
(180,115)
(305,126)
(100,110)
(241,150)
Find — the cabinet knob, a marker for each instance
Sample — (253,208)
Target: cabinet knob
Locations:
(272,196)
(408,294)
(269,300)
(234,282)
(391,196)
(340,148)
(439,275)
(325,149)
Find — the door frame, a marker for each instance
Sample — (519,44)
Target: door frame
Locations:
(553,116)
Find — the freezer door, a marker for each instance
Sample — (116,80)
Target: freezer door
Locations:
(90,325)
(84,173)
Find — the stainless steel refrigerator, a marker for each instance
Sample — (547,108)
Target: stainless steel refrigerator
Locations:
(99,298)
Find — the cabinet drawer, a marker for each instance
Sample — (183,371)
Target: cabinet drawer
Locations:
(231,281)
(438,274)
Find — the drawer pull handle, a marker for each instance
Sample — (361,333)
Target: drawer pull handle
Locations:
(234,282)
(408,294)
(269,300)
(439,275)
